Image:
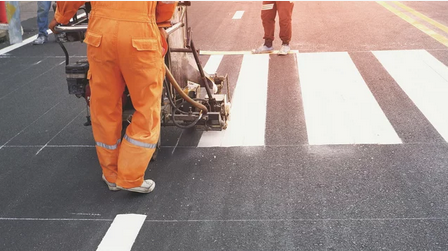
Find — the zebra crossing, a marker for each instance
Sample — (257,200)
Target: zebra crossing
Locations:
(339,108)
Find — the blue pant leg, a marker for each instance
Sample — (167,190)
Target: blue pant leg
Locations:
(42,16)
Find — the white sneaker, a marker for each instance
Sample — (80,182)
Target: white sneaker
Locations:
(146,187)
(41,39)
(110,185)
(284,50)
(263,49)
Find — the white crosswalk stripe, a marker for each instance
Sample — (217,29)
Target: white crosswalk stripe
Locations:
(246,127)
(425,81)
(339,107)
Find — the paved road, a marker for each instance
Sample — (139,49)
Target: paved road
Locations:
(342,146)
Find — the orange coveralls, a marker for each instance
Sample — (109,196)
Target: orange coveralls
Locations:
(125,47)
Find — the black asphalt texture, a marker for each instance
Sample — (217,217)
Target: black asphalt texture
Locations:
(286,195)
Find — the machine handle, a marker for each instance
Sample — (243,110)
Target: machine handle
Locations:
(80,27)
(83,27)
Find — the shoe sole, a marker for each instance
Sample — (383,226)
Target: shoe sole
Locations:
(262,52)
(283,53)
(111,188)
(139,189)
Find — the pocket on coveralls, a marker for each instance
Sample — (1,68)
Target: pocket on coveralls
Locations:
(149,50)
(94,42)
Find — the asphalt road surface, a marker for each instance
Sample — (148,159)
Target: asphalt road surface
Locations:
(341,145)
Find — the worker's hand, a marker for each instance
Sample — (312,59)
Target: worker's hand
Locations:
(163,32)
(164,43)
(52,24)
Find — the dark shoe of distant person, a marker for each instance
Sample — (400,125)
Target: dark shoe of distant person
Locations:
(263,49)
(41,39)
(146,187)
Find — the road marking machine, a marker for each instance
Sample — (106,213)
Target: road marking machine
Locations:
(191,98)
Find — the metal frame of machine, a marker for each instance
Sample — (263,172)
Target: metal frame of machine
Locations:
(204,107)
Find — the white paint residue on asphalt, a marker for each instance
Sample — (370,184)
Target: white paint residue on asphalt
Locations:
(32,123)
(86,214)
(42,148)
(339,107)
(424,79)
(213,63)
(18,45)
(238,14)
(247,125)
(122,232)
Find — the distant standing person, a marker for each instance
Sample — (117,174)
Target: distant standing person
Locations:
(268,13)
(43,7)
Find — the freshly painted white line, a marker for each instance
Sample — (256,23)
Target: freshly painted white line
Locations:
(238,14)
(122,232)
(18,45)
(213,63)
(339,107)
(425,81)
(248,113)
(28,40)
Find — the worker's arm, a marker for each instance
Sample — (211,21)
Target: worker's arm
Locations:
(64,12)
(164,12)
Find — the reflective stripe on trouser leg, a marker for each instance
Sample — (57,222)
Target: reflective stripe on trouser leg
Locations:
(143,70)
(267,6)
(110,147)
(139,143)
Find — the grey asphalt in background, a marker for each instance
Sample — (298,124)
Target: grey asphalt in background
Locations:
(285,195)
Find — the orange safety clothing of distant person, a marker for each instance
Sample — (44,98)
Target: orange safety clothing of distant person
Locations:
(124,48)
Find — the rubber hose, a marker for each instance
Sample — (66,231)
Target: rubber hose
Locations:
(182,93)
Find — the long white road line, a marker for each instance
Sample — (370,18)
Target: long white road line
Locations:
(28,40)
(339,107)
(247,125)
(424,79)
(122,232)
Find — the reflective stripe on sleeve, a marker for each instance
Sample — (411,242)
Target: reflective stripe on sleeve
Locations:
(110,147)
(139,143)
(267,6)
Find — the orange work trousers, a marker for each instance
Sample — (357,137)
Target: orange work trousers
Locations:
(125,48)
(268,14)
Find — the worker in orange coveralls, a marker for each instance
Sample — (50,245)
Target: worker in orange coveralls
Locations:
(125,47)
